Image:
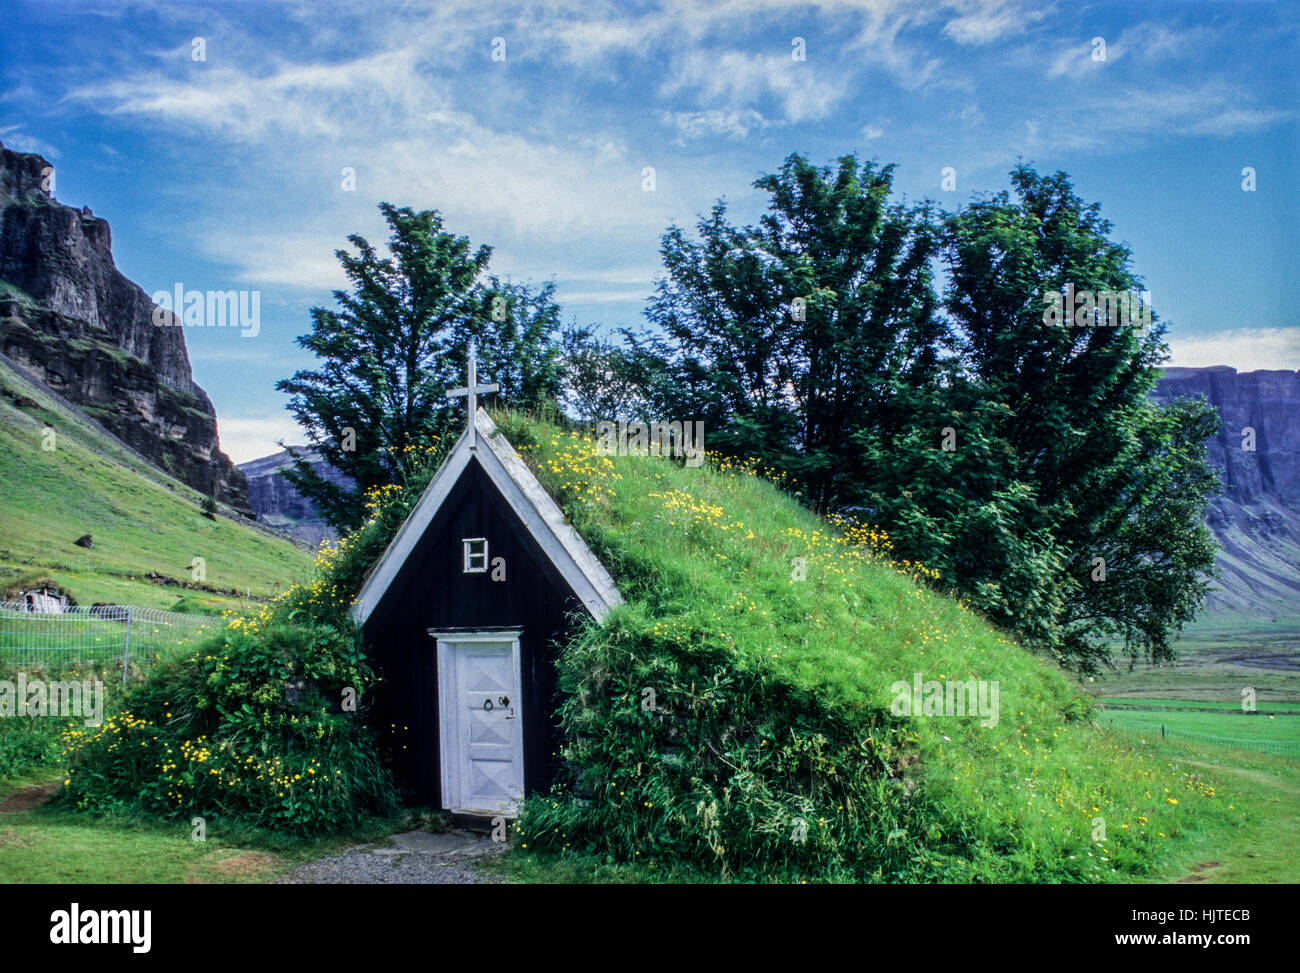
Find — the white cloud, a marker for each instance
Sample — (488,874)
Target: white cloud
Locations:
(738,79)
(1233,121)
(612,298)
(279,256)
(986,21)
(320,100)
(1156,109)
(733,123)
(525,187)
(245,438)
(16,140)
(1148,42)
(586,43)
(1245,349)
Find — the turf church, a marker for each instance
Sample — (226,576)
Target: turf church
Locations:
(465,613)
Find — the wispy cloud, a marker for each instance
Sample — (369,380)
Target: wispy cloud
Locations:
(16,139)
(246,437)
(803,91)
(988,21)
(1146,43)
(1245,349)
(730,123)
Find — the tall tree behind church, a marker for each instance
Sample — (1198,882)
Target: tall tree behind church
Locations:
(793,337)
(393,346)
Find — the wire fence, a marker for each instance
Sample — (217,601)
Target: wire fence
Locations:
(1290,747)
(101,635)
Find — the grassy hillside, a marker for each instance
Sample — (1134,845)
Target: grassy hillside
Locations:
(772,749)
(142,521)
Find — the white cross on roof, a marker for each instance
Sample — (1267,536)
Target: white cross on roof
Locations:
(471,390)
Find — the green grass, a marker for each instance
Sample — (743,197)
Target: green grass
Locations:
(28,640)
(13,291)
(1280,732)
(44,847)
(1261,847)
(1215,706)
(1257,847)
(519,866)
(706,561)
(141,519)
(51,845)
(33,745)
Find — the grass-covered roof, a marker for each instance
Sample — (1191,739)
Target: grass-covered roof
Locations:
(772,643)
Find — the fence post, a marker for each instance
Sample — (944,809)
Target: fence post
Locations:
(126,650)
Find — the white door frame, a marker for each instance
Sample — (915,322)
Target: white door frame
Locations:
(449,743)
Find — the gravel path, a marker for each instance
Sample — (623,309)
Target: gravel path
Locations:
(413,858)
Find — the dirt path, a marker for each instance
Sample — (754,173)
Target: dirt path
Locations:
(27,798)
(413,858)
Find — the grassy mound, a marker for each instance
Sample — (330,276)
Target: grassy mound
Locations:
(742,712)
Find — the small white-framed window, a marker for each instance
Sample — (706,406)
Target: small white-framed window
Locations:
(476,554)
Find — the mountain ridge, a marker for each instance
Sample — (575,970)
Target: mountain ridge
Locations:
(279,504)
(1256,519)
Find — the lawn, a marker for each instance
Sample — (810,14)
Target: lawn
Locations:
(1261,850)
(1217,659)
(1215,706)
(45,844)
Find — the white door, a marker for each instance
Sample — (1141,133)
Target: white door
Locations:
(482,739)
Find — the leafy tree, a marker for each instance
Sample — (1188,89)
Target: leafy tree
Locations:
(516,336)
(1059,457)
(602,380)
(813,326)
(396,343)
(1105,464)
(1003,449)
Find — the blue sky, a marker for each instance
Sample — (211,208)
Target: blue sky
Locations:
(227,173)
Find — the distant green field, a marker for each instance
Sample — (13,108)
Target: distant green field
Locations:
(1216,660)
(142,520)
(1137,702)
(1277,732)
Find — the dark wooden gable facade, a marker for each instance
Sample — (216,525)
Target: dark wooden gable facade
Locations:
(538,579)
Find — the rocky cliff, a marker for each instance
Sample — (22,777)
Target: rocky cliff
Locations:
(277,501)
(73,320)
(1257,519)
